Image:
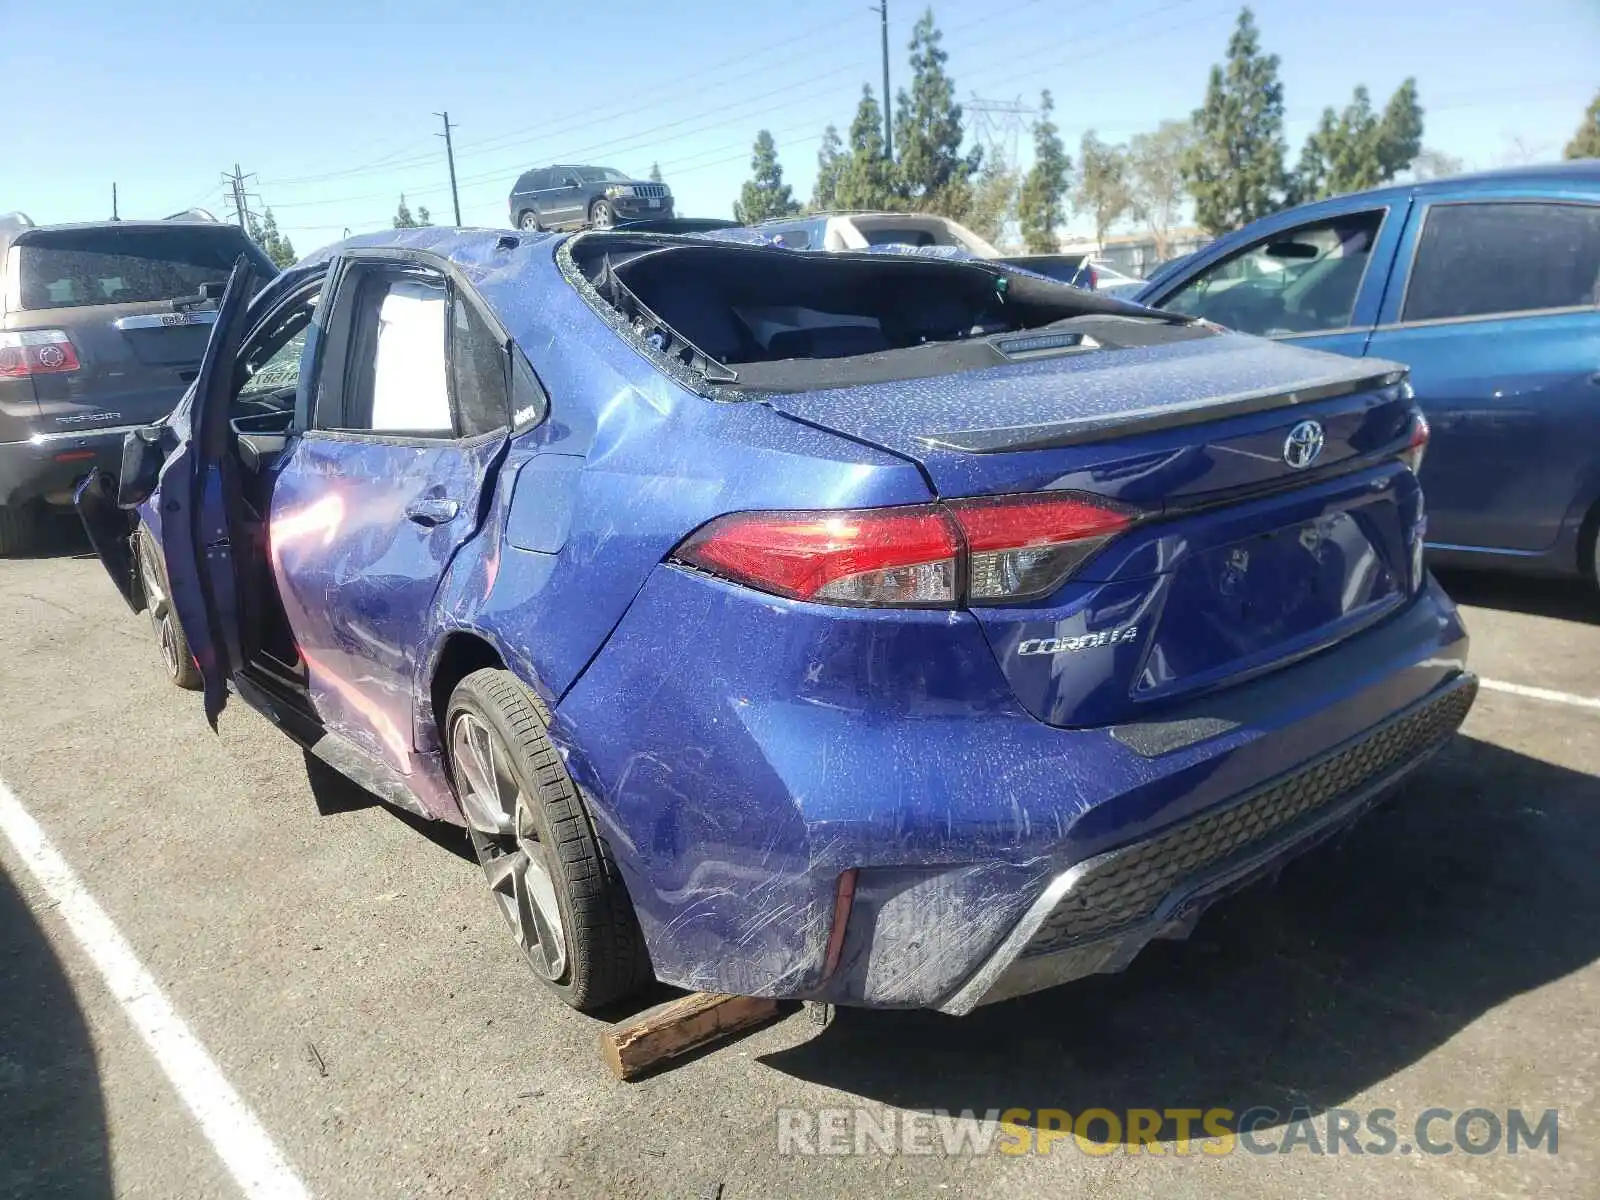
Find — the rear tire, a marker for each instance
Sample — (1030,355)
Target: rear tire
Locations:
(528,222)
(549,871)
(176,656)
(19,528)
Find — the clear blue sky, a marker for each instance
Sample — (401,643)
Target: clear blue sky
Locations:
(330,103)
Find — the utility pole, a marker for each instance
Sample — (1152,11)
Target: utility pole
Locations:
(114,215)
(241,198)
(882,9)
(450,156)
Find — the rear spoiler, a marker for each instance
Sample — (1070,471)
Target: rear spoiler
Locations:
(193,214)
(1080,432)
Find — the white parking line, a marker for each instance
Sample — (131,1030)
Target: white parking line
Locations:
(1535,693)
(245,1148)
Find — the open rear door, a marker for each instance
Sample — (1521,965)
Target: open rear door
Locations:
(200,504)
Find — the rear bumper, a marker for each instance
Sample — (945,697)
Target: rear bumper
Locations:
(854,808)
(49,466)
(1096,916)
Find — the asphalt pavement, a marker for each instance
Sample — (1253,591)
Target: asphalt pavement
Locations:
(340,967)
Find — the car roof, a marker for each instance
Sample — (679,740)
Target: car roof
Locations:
(1556,174)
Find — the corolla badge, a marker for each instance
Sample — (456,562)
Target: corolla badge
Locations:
(1071,645)
(1303,446)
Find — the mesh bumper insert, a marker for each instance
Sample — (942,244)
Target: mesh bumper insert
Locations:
(1126,886)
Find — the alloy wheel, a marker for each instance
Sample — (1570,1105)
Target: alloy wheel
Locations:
(515,860)
(161,617)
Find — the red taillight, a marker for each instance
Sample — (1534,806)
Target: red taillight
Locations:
(36,352)
(1417,446)
(995,550)
(887,556)
(1023,546)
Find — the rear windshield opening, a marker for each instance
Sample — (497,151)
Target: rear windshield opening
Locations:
(784,320)
(71,268)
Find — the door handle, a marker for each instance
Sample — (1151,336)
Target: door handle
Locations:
(432,512)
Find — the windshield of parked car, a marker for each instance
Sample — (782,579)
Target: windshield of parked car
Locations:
(601,175)
(921,231)
(69,268)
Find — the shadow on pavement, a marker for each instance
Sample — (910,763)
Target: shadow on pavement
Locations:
(336,793)
(60,535)
(1475,885)
(1564,599)
(52,1118)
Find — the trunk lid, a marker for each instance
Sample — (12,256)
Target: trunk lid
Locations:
(1242,561)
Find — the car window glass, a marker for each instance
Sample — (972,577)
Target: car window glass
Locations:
(1477,259)
(396,380)
(1301,280)
(478,371)
(272,367)
(66,268)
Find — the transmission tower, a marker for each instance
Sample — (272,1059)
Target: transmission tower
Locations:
(998,125)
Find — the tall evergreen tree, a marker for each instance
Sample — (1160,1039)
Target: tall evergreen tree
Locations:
(1235,170)
(866,180)
(655,173)
(1400,131)
(830,164)
(402,217)
(932,173)
(1586,142)
(264,233)
(765,195)
(1356,149)
(1039,208)
(1104,191)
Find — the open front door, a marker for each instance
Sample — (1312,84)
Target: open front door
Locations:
(198,499)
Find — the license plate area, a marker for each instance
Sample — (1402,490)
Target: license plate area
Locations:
(1275,595)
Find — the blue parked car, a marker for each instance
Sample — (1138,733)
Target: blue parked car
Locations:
(880,629)
(1488,287)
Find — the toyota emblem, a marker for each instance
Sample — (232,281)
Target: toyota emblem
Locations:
(1303,446)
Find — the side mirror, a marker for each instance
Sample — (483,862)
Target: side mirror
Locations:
(142,459)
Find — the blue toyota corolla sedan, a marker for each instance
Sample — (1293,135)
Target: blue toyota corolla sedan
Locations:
(882,630)
(1487,287)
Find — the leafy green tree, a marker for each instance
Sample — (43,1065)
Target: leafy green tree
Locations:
(866,180)
(402,217)
(264,233)
(424,217)
(1155,179)
(1235,169)
(1039,208)
(1104,191)
(994,197)
(765,195)
(932,174)
(655,173)
(830,165)
(1356,149)
(1586,142)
